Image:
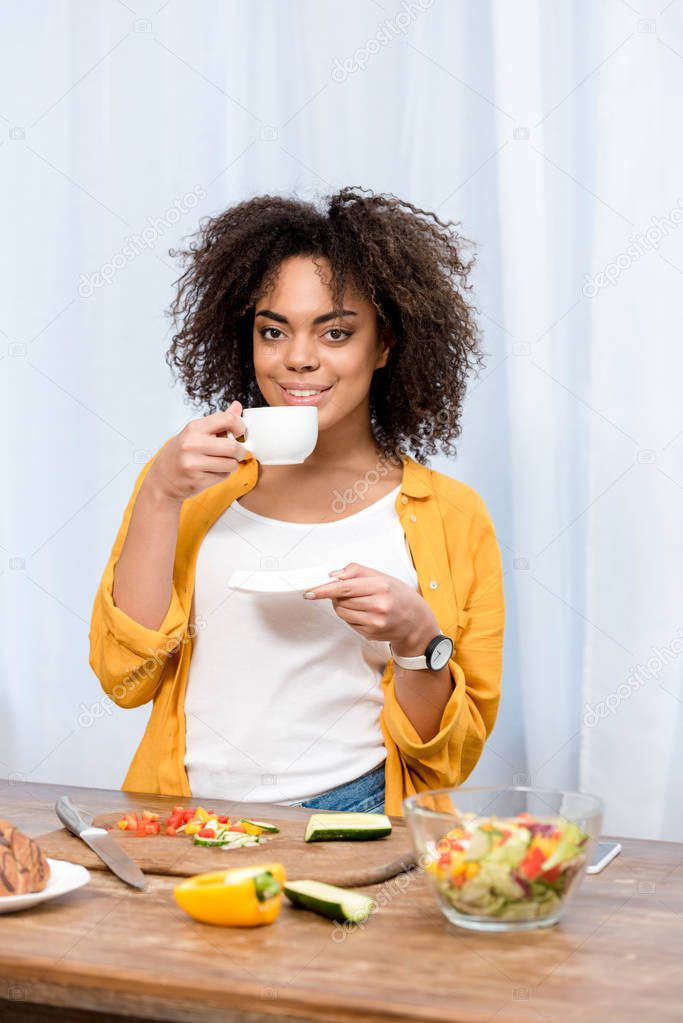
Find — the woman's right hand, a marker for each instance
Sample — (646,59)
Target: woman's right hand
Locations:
(198,457)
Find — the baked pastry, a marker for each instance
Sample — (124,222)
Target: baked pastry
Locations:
(23,864)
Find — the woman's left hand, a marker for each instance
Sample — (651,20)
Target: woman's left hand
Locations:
(380,607)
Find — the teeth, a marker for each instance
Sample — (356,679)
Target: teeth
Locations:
(301,394)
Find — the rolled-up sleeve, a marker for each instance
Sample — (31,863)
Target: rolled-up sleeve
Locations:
(128,658)
(476,667)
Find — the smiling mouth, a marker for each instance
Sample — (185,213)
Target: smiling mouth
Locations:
(315,390)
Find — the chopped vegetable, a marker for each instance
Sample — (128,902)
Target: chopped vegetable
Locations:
(329,900)
(240,897)
(205,827)
(517,869)
(257,827)
(330,826)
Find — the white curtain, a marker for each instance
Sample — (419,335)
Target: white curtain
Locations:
(550,131)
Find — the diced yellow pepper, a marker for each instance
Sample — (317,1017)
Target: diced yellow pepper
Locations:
(123,825)
(193,827)
(471,870)
(251,829)
(546,845)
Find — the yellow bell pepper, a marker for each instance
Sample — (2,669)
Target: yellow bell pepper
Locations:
(238,897)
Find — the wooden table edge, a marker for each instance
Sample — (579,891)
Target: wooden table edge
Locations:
(84,989)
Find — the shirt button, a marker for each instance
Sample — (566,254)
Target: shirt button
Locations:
(404,499)
(433,584)
(413,518)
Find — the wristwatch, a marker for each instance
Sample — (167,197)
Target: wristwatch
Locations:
(438,653)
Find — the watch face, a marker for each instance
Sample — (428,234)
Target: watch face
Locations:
(441,654)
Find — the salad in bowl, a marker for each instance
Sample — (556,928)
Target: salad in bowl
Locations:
(503,859)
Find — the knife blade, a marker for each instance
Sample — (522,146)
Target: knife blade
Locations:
(101,843)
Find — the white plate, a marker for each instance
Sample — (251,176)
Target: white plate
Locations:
(64,877)
(282,581)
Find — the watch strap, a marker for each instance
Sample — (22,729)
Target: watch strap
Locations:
(409,662)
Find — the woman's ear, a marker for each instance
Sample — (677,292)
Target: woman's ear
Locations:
(386,343)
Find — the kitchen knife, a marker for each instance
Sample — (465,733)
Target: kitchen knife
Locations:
(101,843)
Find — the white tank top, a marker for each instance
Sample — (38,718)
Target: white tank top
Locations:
(283,696)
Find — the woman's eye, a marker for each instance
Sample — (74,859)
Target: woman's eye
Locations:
(339,333)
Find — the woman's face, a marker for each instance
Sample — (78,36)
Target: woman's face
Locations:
(300,340)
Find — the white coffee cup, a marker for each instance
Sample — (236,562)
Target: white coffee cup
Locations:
(280,434)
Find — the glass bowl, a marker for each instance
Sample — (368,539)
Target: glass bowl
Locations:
(503,859)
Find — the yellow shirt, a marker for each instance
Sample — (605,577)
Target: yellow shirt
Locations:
(457,560)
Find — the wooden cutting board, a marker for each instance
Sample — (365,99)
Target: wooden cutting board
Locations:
(346,863)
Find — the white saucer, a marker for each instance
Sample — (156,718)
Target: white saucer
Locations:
(64,877)
(294,580)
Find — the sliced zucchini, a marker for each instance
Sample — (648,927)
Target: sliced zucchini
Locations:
(234,839)
(270,828)
(330,901)
(218,840)
(324,827)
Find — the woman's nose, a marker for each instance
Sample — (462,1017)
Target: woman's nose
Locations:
(300,355)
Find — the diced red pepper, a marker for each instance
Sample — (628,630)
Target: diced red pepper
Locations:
(551,875)
(207,833)
(236,827)
(223,820)
(170,830)
(146,827)
(531,865)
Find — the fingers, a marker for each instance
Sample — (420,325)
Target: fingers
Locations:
(222,447)
(366,604)
(209,464)
(220,422)
(356,618)
(362,586)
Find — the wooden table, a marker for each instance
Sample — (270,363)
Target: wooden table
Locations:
(106,951)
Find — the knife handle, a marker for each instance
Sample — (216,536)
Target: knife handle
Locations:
(69,816)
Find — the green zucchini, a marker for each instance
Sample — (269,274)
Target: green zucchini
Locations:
(270,828)
(209,841)
(234,839)
(330,901)
(323,827)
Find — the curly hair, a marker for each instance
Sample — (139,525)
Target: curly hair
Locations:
(406,261)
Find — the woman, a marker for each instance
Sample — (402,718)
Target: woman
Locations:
(352,697)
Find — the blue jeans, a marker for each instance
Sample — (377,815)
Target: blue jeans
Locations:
(363,794)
